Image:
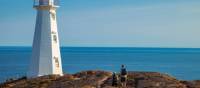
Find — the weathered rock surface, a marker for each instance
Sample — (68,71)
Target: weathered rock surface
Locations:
(101,79)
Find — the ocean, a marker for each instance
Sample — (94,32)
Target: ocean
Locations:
(182,63)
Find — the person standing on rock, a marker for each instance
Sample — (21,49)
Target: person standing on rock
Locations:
(123,76)
(114,80)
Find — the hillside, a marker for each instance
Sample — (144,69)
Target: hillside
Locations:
(101,79)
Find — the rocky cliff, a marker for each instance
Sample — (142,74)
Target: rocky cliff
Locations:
(101,79)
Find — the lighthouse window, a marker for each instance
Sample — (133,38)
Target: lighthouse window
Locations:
(56,61)
(55,38)
(53,32)
(53,16)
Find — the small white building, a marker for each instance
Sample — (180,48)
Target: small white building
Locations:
(46,59)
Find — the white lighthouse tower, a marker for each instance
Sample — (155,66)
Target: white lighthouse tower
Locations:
(46,59)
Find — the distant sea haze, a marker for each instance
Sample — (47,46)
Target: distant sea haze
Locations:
(182,63)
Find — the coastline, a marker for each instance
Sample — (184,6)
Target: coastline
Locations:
(101,79)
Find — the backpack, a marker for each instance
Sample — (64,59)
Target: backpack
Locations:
(123,71)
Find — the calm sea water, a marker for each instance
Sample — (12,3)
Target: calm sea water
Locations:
(182,63)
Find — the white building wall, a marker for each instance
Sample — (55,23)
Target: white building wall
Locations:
(46,57)
(57,65)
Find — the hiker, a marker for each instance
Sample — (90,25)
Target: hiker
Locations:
(114,80)
(123,76)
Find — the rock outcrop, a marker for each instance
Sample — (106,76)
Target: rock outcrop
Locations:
(101,79)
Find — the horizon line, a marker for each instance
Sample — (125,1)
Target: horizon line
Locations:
(114,47)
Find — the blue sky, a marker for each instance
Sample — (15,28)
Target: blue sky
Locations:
(123,23)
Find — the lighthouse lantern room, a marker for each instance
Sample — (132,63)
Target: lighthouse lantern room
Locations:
(46,2)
